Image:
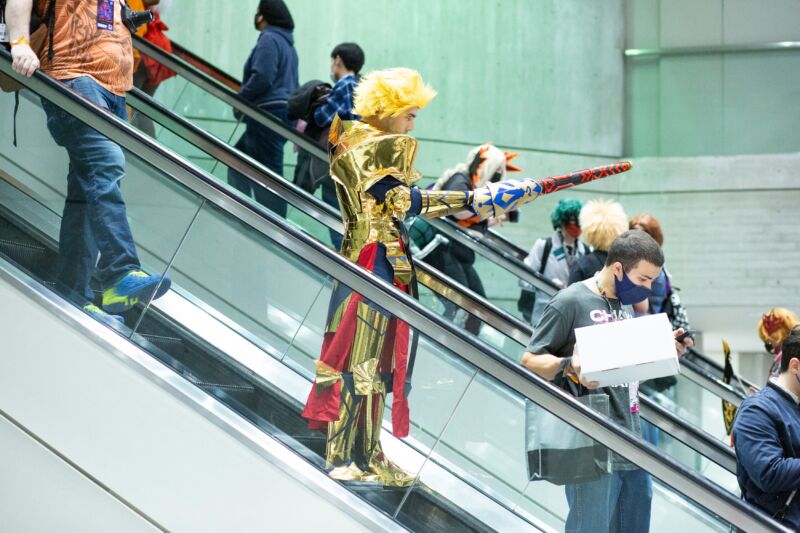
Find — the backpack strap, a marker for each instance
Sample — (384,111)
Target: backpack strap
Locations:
(548,247)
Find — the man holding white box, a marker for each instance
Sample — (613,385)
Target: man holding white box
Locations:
(619,501)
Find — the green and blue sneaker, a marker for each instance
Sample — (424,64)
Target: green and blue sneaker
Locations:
(102,316)
(134,287)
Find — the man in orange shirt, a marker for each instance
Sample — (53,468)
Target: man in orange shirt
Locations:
(89,50)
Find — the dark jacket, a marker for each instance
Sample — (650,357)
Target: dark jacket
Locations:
(270,73)
(586,266)
(766,435)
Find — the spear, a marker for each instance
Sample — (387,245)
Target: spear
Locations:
(497,198)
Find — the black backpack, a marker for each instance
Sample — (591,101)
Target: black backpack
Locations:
(527,297)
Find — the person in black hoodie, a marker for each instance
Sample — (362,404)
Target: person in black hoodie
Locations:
(270,77)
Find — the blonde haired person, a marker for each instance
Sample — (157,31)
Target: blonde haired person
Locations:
(601,221)
(773,328)
(365,351)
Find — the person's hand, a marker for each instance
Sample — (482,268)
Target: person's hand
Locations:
(575,363)
(683,345)
(25,60)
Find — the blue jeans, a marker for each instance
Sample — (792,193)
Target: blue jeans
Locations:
(266,147)
(94,218)
(618,502)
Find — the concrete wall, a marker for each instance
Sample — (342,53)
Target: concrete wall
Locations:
(539,77)
(712,103)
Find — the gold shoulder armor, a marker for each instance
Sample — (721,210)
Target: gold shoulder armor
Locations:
(364,155)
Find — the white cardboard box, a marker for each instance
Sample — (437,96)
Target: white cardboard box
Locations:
(627,350)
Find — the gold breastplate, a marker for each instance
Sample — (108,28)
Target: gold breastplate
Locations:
(361,157)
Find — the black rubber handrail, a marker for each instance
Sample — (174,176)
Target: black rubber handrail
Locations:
(506,254)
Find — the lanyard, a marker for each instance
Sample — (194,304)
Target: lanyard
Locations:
(607,301)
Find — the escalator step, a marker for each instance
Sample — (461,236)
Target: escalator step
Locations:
(22,252)
(161,339)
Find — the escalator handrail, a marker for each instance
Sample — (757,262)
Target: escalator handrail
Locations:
(505,252)
(716,366)
(710,382)
(478,305)
(702,442)
(231,81)
(505,322)
(482,356)
(228,96)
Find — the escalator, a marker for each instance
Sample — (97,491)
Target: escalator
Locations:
(248,339)
(205,94)
(692,446)
(700,391)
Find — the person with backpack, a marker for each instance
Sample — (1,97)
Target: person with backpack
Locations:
(553,256)
(88,49)
(319,105)
(484,164)
(601,220)
(270,77)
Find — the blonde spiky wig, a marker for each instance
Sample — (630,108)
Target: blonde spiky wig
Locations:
(387,93)
(602,221)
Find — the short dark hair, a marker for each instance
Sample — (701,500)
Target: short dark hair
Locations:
(276,13)
(352,56)
(633,246)
(790,348)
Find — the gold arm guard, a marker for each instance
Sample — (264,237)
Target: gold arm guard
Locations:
(437,204)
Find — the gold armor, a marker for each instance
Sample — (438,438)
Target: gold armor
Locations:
(364,348)
(361,157)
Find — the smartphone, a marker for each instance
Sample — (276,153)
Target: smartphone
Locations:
(687,333)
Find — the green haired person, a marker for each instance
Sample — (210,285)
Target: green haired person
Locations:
(552,256)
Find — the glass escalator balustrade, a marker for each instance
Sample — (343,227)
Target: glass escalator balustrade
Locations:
(463,421)
(196,104)
(510,347)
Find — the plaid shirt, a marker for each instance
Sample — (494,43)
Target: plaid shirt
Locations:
(339,102)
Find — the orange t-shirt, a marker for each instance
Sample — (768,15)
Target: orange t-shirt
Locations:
(82,48)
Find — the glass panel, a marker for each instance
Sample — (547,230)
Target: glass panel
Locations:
(696,405)
(154,211)
(306,339)
(462,422)
(485,441)
(318,230)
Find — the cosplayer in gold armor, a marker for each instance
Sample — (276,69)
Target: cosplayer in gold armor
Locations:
(365,350)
